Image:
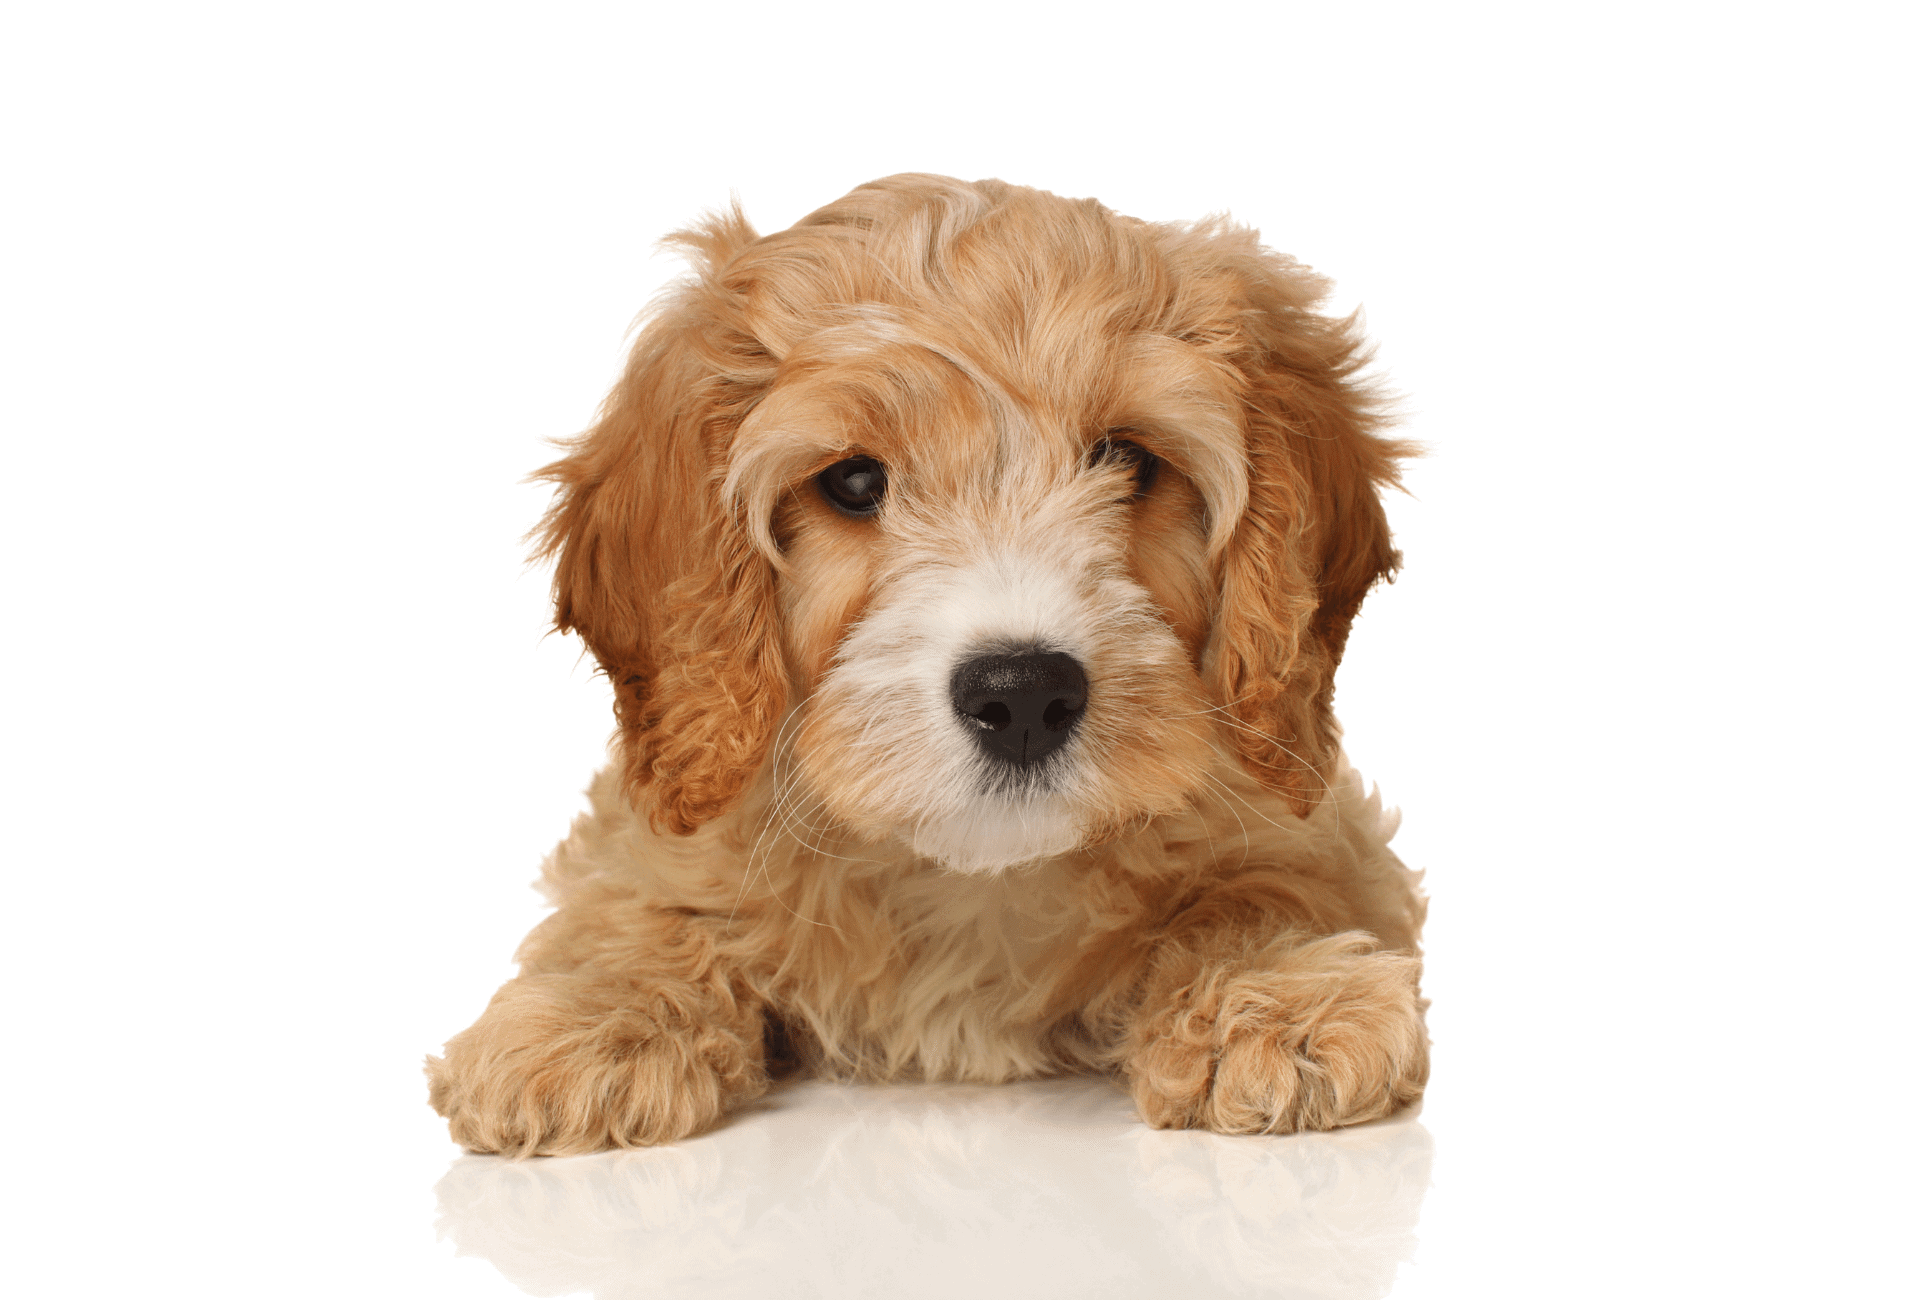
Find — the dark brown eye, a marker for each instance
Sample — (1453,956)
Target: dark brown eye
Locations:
(1143,464)
(854,487)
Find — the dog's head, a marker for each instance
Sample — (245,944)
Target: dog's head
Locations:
(994,518)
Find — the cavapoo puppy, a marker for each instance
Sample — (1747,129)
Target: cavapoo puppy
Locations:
(971,566)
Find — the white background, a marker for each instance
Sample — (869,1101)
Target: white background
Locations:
(293,294)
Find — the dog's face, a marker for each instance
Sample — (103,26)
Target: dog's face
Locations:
(993,574)
(992,519)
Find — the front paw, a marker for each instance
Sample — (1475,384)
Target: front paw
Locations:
(564,1065)
(1327,1034)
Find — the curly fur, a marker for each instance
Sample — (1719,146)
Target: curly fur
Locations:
(798,856)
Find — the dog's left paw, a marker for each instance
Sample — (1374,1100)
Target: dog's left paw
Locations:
(1331,1033)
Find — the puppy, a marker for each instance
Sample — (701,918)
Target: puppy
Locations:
(971,566)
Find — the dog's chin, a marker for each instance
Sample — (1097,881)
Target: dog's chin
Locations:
(998,833)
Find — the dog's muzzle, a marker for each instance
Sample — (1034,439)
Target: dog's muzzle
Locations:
(1021,706)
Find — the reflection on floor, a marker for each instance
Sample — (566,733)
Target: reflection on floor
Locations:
(1050,1188)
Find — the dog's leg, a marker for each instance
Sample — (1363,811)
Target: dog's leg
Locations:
(1241,1033)
(633,1047)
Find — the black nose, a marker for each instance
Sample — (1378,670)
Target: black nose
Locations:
(1024,705)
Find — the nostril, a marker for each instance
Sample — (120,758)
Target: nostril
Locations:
(994,716)
(1061,714)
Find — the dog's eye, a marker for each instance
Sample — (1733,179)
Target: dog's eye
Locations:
(1144,465)
(854,487)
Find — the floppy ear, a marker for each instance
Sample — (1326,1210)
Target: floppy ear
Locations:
(1313,539)
(653,571)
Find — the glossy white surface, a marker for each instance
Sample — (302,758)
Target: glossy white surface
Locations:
(1049,1188)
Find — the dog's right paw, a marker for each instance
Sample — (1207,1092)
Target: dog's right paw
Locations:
(564,1065)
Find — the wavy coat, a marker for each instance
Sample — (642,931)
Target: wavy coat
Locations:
(797,858)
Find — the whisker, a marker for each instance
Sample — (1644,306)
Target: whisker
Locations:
(784,812)
(1332,798)
(1246,842)
(803,820)
(820,831)
(1248,805)
(780,792)
(1215,708)
(785,828)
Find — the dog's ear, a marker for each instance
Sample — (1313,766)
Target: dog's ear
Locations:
(653,570)
(1313,539)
